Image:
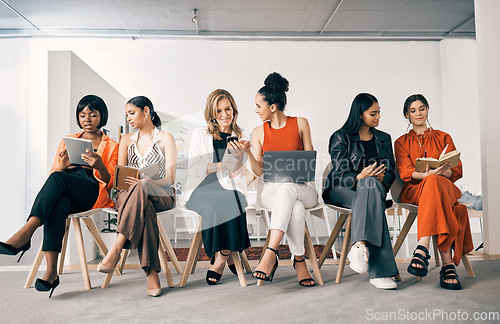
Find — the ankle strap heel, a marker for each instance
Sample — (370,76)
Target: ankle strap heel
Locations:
(275,251)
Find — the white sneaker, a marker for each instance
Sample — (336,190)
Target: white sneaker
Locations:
(384,283)
(358,258)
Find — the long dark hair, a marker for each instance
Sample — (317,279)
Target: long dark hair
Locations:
(94,103)
(274,90)
(142,102)
(361,103)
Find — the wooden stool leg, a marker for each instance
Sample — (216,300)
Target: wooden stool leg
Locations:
(164,265)
(436,251)
(312,256)
(123,260)
(168,247)
(193,251)
(34,267)
(198,253)
(468,267)
(245,262)
(64,247)
(332,238)
(345,247)
(404,231)
(81,251)
(239,268)
(89,222)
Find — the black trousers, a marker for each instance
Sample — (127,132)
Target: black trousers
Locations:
(62,194)
(368,223)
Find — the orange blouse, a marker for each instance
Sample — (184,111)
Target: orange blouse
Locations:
(286,138)
(108,151)
(411,146)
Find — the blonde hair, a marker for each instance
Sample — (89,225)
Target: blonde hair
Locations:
(211,113)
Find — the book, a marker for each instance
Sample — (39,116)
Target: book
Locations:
(123,171)
(452,157)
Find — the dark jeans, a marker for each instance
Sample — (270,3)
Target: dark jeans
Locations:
(62,194)
(369,223)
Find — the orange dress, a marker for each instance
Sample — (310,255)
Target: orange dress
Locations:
(439,212)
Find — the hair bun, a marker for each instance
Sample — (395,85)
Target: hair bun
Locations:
(276,82)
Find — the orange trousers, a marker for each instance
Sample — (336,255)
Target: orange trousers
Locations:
(440,213)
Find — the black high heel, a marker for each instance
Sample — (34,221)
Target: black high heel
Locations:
(10,250)
(307,280)
(42,285)
(271,275)
(232,267)
(214,275)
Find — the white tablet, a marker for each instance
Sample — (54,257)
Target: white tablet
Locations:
(76,147)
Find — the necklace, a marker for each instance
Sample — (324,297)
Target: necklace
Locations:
(143,141)
(366,137)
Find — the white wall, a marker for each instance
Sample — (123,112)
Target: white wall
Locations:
(177,76)
(13,58)
(488,53)
(460,106)
(324,77)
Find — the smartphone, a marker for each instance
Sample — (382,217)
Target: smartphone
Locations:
(232,139)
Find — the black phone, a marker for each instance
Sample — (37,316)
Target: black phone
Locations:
(232,139)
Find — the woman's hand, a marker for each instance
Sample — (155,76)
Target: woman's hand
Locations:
(372,171)
(65,163)
(237,148)
(443,170)
(245,146)
(93,159)
(131,181)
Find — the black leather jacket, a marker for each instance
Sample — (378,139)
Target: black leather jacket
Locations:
(346,152)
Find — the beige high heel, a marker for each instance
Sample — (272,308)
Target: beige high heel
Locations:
(102,268)
(154,292)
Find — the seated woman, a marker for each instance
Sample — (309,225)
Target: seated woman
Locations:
(363,172)
(216,183)
(137,226)
(69,189)
(439,212)
(287,201)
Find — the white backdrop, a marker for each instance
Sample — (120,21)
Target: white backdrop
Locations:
(177,76)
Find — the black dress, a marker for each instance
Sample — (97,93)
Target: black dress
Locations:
(224,223)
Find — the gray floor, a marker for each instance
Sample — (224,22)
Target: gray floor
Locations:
(282,301)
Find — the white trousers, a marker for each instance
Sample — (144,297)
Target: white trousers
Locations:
(288,202)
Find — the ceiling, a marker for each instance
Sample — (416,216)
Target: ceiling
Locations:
(240,19)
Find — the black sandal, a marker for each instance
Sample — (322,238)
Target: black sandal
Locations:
(214,275)
(420,260)
(308,282)
(271,275)
(449,272)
